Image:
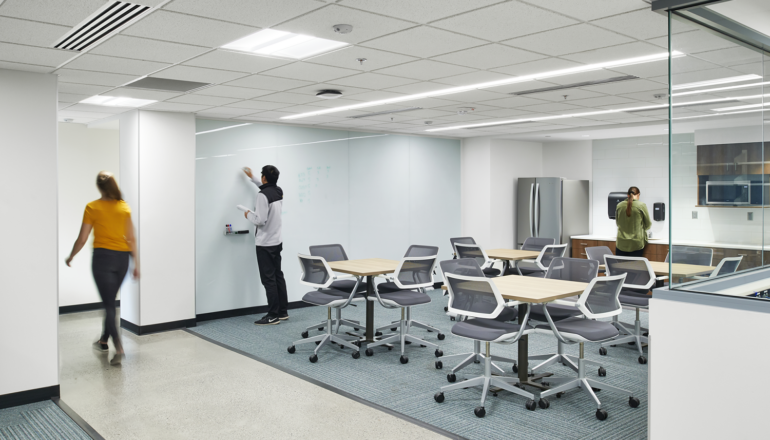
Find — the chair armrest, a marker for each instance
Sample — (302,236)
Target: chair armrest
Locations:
(529,261)
(565,303)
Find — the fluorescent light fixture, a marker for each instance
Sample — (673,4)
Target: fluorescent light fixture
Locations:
(715,82)
(490,84)
(721,89)
(740,107)
(117,101)
(220,129)
(720,114)
(283,44)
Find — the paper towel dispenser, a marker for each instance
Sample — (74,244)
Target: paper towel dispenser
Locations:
(613,199)
(659,211)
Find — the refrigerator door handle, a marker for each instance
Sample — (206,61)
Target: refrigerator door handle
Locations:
(531,193)
(537,210)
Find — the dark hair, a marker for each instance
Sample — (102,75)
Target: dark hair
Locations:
(106,183)
(271,173)
(633,191)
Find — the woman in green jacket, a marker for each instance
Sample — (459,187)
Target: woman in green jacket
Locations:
(633,221)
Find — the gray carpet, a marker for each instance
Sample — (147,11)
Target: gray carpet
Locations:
(38,421)
(408,389)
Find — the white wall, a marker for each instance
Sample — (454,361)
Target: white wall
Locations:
(571,160)
(28,232)
(475,193)
(83,153)
(129,186)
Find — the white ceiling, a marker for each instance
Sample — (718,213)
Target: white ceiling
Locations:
(411,46)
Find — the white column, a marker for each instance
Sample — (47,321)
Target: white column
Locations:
(157,155)
(29,306)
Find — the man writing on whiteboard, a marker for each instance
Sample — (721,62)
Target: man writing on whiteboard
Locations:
(267,217)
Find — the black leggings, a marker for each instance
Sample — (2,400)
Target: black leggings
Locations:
(639,253)
(109,268)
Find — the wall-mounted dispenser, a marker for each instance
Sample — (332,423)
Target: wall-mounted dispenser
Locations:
(613,199)
(659,211)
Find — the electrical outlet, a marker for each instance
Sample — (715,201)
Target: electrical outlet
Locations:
(695,215)
(750,216)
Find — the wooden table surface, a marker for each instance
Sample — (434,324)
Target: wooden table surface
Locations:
(679,270)
(511,254)
(535,290)
(365,267)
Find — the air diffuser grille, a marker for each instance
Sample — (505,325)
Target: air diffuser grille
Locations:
(108,20)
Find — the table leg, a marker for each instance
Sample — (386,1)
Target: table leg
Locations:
(523,359)
(369,309)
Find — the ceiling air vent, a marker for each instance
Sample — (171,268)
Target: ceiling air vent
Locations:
(574,85)
(109,19)
(168,85)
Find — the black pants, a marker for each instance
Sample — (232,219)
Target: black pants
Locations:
(109,268)
(271,275)
(639,253)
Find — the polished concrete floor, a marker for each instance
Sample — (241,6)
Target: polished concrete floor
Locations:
(174,385)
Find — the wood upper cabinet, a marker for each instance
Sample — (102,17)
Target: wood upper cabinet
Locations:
(732,159)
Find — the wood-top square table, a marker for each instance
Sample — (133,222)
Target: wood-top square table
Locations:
(678,270)
(369,268)
(508,255)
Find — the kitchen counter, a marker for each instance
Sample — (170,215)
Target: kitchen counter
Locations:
(664,241)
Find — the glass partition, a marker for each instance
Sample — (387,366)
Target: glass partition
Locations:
(720,188)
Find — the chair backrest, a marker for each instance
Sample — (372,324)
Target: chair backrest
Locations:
(690,255)
(600,299)
(415,272)
(598,252)
(418,250)
(572,269)
(463,266)
(329,252)
(727,265)
(476,297)
(315,271)
(462,240)
(639,273)
(550,252)
(472,251)
(536,243)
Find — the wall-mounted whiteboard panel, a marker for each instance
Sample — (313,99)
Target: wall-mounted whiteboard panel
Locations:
(373,193)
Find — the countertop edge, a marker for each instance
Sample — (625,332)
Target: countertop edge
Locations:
(664,241)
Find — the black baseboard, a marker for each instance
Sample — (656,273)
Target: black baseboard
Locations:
(63,310)
(29,396)
(246,311)
(155,328)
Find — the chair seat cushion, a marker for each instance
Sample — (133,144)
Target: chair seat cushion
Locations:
(534,274)
(406,297)
(508,314)
(484,329)
(346,286)
(557,312)
(388,287)
(325,297)
(491,272)
(634,299)
(586,328)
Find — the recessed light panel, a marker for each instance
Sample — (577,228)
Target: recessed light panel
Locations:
(117,101)
(282,44)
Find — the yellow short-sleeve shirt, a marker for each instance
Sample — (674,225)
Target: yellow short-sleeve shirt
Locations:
(109,218)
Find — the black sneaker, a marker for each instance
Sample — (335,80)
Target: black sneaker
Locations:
(283,317)
(267,320)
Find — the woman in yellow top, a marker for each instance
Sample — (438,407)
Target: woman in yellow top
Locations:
(633,221)
(110,218)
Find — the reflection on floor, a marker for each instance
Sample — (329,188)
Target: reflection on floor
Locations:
(174,385)
(42,420)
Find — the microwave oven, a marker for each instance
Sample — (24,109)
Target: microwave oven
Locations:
(728,193)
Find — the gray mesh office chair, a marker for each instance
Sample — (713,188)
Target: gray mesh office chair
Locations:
(477,253)
(726,266)
(597,253)
(317,274)
(691,255)
(461,240)
(599,300)
(478,299)
(536,243)
(344,283)
(469,267)
(640,278)
(539,266)
(566,269)
(412,276)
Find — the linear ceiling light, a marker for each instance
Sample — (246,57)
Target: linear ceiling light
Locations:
(721,89)
(220,129)
(716,82)
(283,44)
(117,101)
(386,112)
(490,84)
(740,107)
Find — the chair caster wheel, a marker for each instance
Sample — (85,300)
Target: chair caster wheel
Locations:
(317,342)
(530,405)
(441,336)
(393,329)
(451,318)
(451,377)
(480,411)
(515,368)
(355,329)
(313,358)
(390,348)
(613,345)
(446,309)
(438,353)
(408,342)
(602,372)
(320,329)
(645,334)
(291,349)
(438,397)
(477,361)
(642,360)
(356,354)
(369,352)
(423,346)
(603,351)
(342,347)
(403,359)
(632,343)
(304,334)
(558,395)
(494,394)
(357,343)
(377,333)
(633,402)
(439,365)
(596,390)
(430,331)
(601,414)
(545,384)
(544,403)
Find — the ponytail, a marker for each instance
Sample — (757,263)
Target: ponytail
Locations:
(106,183)
(633,191)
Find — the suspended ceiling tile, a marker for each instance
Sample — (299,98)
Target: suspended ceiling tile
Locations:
(289,98)
(235,61)
(97,78)
(348,58)
(422,11)
(233,92)
(573,94)
(103,109)
(578,38)
(258,105)
(376,95)
(476,96)
(176,107)
(30,32)
(372,81)
(310,72)
(72,97)
(538,66)
(347,91)
(425,70)
(614,53)
(514,102)
(604,100)
(418,87)
(479,76)
(73,114)
(554,107)
(424,42)
(637,85)
(588,10)
(260,13)
(203,100)
(142,94)
(198,74)
(700,75)
(101,63)
(693,42)
(731,55)
(226,111)
(147,49)
(188,29)
(489,56)
(643,24)
(83,89)
(67,13)
(25,67)
(40,56)
(268,82)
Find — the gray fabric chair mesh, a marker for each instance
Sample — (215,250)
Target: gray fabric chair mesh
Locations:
(691,255)
(461,240)
(597,253)
(473,296)
(572,269)
(471,252)
(484,329)
(314,271)
(556,311)
(329,252)
(729,267)
(635,270)
(601,299)
(406,297)
(536,243)
(550,254)
(325,297)
(347,286)
(464,266)
(414,272)
(590,330)
(417,250)
(634,298)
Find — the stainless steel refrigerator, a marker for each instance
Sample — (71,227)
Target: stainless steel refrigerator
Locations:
(551,207)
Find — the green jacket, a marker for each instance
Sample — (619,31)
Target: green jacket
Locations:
(631,230)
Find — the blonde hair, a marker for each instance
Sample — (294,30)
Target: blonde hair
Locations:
(106,183)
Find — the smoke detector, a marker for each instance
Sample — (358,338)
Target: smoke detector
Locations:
(328,94)
(465,110)
(428,122)
(660,95)
(342,28)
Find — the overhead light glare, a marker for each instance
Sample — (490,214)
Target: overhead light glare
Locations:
(721,89)
(283,44)
(220,129)
(715,82)
(740,107)
(117,101)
